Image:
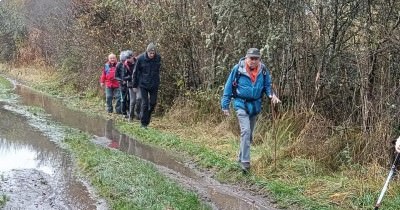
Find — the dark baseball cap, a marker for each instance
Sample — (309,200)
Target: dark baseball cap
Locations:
(253,52)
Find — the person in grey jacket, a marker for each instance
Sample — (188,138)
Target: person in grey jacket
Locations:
(146,78)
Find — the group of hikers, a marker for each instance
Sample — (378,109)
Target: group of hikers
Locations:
(133,82)
(136,78)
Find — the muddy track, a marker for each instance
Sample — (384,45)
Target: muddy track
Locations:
(35,172)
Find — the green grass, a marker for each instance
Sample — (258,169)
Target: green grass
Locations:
(226,170)
(127,182)
(5,89)
(3,200)
(3,197)
(5,84)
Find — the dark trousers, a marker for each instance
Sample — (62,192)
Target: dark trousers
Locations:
(124,100)
(149,101)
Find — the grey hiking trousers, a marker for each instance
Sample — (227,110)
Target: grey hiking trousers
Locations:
(135,103)
(247,125)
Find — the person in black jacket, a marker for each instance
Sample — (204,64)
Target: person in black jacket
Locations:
(146,77)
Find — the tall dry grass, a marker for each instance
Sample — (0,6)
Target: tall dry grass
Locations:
(291,135)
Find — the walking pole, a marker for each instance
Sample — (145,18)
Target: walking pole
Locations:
(274,132)
(385,186)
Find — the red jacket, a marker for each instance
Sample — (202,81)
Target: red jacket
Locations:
(108,75)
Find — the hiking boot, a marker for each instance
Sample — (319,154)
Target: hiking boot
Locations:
(245,166)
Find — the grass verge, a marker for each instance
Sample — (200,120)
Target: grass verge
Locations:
(5,88)
(3,200)
(126,181)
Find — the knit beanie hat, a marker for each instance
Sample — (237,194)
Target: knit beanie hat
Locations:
(151,47)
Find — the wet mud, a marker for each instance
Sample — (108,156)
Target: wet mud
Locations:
(218,195)
(35,172)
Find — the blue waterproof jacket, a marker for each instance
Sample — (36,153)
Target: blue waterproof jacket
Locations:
(249,94)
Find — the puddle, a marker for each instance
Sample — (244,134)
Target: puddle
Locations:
(35,172)
(220,196)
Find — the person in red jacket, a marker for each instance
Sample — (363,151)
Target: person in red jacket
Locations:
(108,80)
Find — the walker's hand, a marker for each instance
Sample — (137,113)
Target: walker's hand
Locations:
(135,90)
(275,99)
(101,84)
(226,112)
(398,145)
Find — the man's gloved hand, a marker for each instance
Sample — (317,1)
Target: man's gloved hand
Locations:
(226,112)
(275,99)
(398,145)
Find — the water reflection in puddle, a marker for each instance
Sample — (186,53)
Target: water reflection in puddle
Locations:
(36,173)
(22,158)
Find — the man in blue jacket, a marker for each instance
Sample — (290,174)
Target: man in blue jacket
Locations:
(246,84)
(146,77)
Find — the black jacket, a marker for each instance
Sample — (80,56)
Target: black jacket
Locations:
(124,72)
(119,72)
(147,72)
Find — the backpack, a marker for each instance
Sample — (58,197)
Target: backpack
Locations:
(107,68)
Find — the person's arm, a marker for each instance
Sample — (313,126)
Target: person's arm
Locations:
(136,74)
(119,72)
(227,95)
(268,87)
(398,145)
(267,82)
(128,75)
(102,78)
